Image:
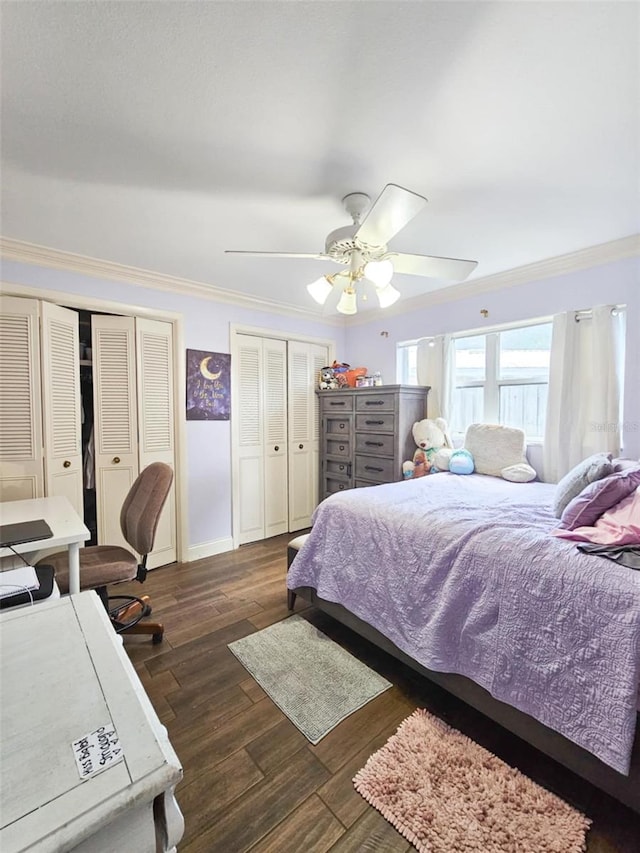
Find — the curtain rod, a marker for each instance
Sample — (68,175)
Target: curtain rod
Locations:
(587,313)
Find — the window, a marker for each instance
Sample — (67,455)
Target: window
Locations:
(499,377)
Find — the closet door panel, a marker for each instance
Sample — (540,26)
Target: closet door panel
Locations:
(250,445)
(115,420)
(154,349)
(304,363)
(274,390)
(62,426)
(21,460)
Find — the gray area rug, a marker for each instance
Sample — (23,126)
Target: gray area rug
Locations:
(313,680)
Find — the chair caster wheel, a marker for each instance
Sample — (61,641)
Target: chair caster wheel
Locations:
(156,638)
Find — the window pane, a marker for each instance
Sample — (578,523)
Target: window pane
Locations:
(470,359)
(524,406)
(468,408)
(407,364)
(524,353)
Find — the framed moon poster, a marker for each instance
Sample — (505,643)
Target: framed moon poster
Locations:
(208,385)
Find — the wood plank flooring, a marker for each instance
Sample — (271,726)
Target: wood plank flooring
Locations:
(252,782)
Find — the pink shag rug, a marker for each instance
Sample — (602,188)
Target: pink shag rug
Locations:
(447,794)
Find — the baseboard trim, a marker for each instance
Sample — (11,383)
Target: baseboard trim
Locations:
(209,549)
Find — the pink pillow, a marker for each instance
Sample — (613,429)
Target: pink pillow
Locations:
(619,525)
(596,498)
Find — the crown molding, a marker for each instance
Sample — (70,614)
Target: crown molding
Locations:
(603,253)
(31,253)
(593,256)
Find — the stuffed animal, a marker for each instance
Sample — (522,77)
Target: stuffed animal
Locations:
(461,462)
(327,379)
(434,447)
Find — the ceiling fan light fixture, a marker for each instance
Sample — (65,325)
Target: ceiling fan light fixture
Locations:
(320,289)
(379,272)
(388,295)
(347,304)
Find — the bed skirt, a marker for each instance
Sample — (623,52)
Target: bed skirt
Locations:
(625,789)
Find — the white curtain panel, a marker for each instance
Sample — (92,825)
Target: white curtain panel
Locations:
(435,367)
(585,381)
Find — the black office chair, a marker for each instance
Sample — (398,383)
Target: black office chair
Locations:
(101,565)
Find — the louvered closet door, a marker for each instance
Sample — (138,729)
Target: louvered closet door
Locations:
(274,390)
(250,447)
(115,420)
(154,348)
(21,463)
(61,404)
(304,364)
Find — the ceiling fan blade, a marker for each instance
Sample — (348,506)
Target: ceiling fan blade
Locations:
(394,208)
(320,257)
(452,269)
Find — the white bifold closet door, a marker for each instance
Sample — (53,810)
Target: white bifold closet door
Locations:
(21,458)
(304,364)
(61,407)
(133,420)
(262,438)
(115,426)
(156,440)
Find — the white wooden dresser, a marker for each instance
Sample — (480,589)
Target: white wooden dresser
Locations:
(71,704)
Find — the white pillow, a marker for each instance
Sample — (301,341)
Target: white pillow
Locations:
(520,473)
(495,448)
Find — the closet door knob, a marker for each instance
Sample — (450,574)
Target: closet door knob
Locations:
(301,447)
(116,459)
(66,464)
(276,447)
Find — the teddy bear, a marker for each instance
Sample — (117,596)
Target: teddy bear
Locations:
(434,448)
(327,379)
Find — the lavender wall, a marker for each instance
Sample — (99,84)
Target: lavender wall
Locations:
(617,282)
(206,327)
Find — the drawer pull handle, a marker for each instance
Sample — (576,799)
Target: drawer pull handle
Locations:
(374,423)
(374,443)
(342,447)
(374,402)
(341,486)
(372,468)
(342,426)
(336,403)
(340,467)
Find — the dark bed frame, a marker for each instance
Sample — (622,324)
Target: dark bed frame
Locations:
(626,789)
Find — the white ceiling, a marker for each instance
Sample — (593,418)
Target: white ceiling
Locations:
(160,134)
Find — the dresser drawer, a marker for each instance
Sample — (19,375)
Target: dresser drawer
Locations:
(376,422)
(368,442)
(375,402)
(337,447)
(334,484)
(379,470)
(339,469)
(365,484)
(336,404)
(335,425)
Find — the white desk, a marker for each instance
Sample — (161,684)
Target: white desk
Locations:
(65,523)
(64,674)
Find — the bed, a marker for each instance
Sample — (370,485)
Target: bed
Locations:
(461,578)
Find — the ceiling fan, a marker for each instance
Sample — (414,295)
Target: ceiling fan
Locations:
(363,248)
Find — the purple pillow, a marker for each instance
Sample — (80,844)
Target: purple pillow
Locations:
(596,498)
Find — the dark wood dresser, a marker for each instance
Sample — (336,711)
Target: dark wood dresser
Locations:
(365,434)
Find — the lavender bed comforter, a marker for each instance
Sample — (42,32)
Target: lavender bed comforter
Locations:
(463,575)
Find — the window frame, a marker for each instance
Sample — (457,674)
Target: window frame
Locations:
(491,384)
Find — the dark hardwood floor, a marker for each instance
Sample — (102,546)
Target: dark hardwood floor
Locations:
(252,782)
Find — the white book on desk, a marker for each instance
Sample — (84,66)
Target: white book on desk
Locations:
(18,580)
